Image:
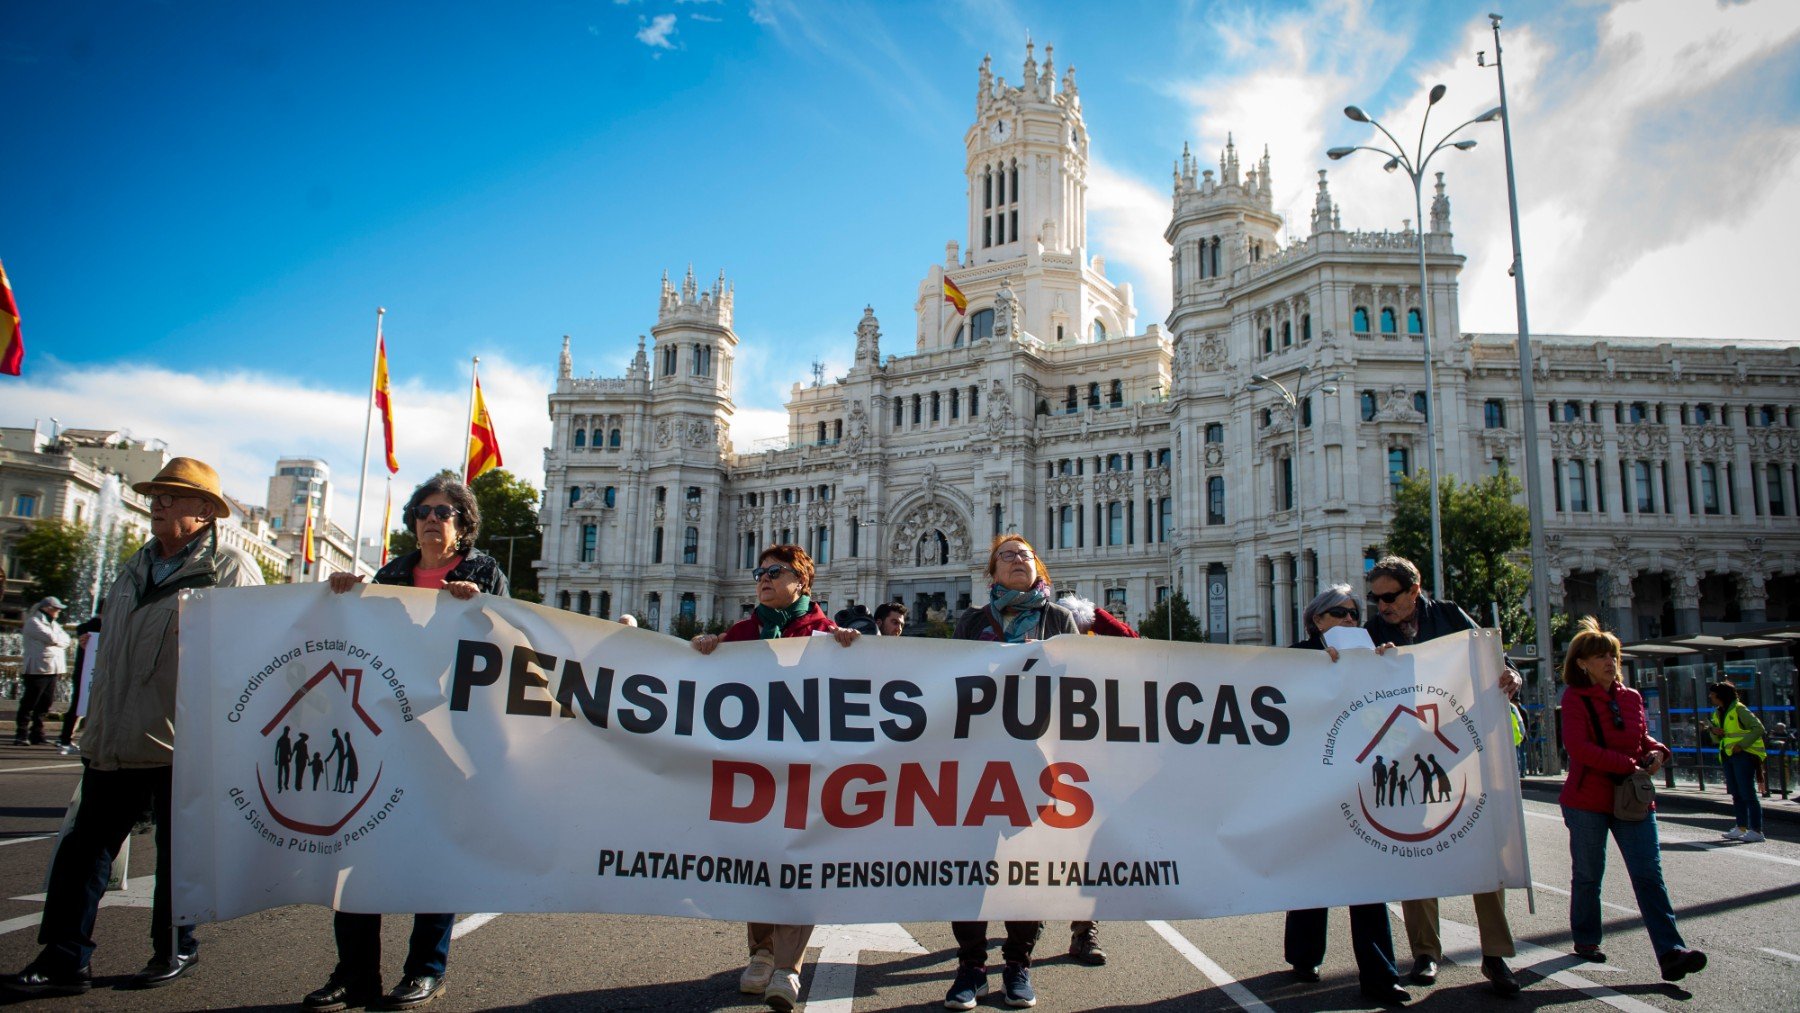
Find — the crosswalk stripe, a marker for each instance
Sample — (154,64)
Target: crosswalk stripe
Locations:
(1214,973)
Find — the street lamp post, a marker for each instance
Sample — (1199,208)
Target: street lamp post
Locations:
(1540,579)
(509,540)
(1293,401)
(1415,165)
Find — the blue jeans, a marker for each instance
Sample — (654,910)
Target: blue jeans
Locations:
(1740,780)
(1643,862)
(359,947)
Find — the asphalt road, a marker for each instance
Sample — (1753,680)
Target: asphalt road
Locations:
(1737,902)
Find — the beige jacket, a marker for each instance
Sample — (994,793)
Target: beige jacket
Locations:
(131,712)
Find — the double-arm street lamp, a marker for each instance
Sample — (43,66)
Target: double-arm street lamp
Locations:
(1295,399)
(1415,164)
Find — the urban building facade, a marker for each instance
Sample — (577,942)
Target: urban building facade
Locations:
(1145,461)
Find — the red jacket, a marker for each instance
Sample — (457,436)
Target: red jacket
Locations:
(813,620)
(1589,786)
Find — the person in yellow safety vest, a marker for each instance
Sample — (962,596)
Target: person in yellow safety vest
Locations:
(1518,727)
(1741,751)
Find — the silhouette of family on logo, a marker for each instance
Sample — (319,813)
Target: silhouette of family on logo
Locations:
(1393,788)
(295,757)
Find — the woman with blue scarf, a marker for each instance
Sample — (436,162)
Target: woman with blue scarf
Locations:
(1019,610)
(784,608)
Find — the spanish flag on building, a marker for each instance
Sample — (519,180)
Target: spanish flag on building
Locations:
(484,446)
(12,338)
(954,296)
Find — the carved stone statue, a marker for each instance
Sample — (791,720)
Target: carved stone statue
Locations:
(1005,307)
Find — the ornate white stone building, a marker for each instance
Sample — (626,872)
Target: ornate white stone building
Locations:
(1142,460)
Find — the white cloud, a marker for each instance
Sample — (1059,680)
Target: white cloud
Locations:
(1126,218)
(655,31)
(762,13)
(707,18)
(241,421)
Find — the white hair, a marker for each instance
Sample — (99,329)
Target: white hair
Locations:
(1331,597)
(1083,609)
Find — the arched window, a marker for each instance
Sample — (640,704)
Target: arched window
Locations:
(1421,403)
(937,407)
(1360,320)
(1571,411)
(1287,334)
(1093,397)
(1115,523)
(653,611)
(1493,412)
(1305,328)
(1268,340)
(981,325)
(581,437)
(690,546)
(1397,465)
(1117,396)
(1043,407)
(955,403)
(1099,330)
(606,604)
(614,440)
(974,401)
(1215,500)
(1390,324)
(574,494)
(899,413)
(562,600)
(1415,322)
(656,540)
(1367,402)
(689,607)
(1115,462)
(582,602)
(1065,527)
(1215,432)
(611,496)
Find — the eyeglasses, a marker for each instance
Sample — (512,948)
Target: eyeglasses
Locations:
(773,570)
(1340,612)
(1015,556)
(440,511)
(167,499)
(1390,597)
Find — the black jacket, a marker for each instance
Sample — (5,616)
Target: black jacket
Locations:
(1316,642)
(1057,620)
(1436,619)
(477,568)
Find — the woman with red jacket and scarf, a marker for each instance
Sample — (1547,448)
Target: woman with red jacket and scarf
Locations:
(784,608)
(1607,736)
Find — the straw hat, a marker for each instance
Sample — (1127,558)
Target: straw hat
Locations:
(185,476)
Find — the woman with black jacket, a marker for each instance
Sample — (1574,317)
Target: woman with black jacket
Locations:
(445,519)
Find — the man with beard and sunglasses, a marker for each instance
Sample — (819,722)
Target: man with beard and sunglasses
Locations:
(1403,614)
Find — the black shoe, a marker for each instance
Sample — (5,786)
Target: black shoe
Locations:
(36,980)
(1391,995)
(1494,969)
(1678,964)
(162,970)
(1084,943)
(414,992)
(337,996)
(1305,973)
(20,741)
(1424,971)
(1590,953)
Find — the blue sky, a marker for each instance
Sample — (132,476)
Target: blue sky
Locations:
(205,202)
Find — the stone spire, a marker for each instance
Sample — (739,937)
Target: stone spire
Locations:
(565,366)
(1325,212)
(1440,207)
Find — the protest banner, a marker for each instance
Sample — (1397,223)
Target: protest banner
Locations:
(396,750)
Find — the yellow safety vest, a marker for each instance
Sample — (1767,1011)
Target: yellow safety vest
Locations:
(1518,724)
(1734,734)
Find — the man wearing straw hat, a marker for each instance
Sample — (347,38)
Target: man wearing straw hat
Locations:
(129,745)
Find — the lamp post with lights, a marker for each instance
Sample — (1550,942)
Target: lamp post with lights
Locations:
(1415,164)
(1294,399)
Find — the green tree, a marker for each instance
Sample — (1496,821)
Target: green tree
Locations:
(51,552)
(509,527)
(271,573)
(1187,625)
(1485,531)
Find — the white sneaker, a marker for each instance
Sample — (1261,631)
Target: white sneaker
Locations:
(755,979)
(783,993)
(1752,837)
(1734,834)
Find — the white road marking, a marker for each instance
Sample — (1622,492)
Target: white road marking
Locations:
(1783,954)
(25,840)
(1728,847)
(1565,893)
(48,766)
(136,895)
(1214,973)
(1462,944)
(840,951)
(471,923)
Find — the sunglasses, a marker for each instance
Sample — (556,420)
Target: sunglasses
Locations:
(440,511)
(773,570)
(1618,718)
(1390,597)
(1340,613)
(1014,556)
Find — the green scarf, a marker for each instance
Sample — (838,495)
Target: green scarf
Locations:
(773,621)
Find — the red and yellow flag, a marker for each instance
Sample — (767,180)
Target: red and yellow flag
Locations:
(306,544)
(12,339)
(387,523)
(384,402)
(954,296)
(484,446)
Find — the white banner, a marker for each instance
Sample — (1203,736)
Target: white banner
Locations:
(394,750)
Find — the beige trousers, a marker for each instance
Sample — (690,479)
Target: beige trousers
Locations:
(1490,918)
(787,943)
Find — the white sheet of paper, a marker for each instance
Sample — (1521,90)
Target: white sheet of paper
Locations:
(1349,638)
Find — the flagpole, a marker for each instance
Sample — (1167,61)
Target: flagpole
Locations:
(362,477)
(469,418)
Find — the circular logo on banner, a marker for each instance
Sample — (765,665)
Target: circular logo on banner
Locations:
(319,780)
(1414,750)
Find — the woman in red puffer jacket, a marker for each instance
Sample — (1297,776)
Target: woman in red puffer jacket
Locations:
(1607,736)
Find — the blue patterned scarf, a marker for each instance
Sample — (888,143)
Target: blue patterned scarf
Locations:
(773,621)
(1027,608)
